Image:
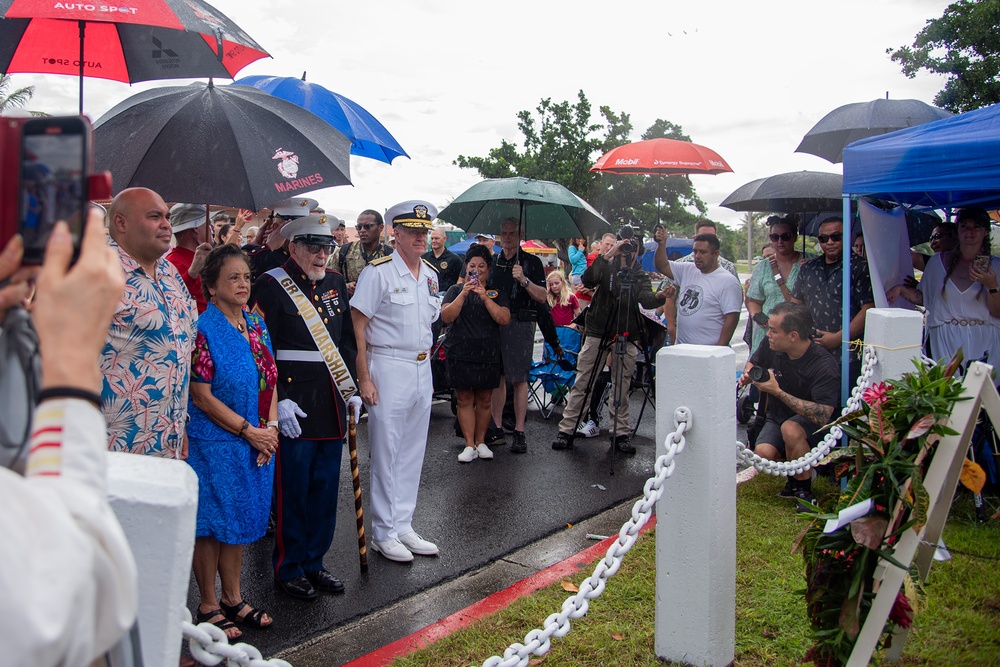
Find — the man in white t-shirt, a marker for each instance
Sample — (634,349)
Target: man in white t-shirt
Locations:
(709,298)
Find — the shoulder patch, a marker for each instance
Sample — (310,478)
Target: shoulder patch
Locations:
(492,293)
(430,265)
(380,260)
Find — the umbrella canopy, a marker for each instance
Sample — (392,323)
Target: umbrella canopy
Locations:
(676,248)
(667,157)
(859,120)
(145,41)
(792,192)
(233,145)
(462,247)
(545,210)
(919,225)
(369,138)
(538,248)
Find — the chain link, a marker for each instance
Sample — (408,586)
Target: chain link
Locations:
(210,646)
(819,452)
(538,641)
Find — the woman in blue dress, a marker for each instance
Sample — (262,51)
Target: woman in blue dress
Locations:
(232,436)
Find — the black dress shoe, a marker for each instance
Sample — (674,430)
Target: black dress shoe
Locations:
(325,582)
(299,587)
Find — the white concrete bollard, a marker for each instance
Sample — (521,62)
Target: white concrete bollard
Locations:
(696,515)
(897,335)
(156,502)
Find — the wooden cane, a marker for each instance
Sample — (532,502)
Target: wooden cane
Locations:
(352,445)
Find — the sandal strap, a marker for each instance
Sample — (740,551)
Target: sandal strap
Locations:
(233,610)
(224,624)
(252,617)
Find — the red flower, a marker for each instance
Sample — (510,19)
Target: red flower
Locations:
(876,394)
(901,613)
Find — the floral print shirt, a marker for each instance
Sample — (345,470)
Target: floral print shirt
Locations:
(146,361)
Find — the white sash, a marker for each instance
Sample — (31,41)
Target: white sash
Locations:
(317,329)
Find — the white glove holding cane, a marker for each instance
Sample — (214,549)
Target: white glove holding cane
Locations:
(354,405)
(289,425)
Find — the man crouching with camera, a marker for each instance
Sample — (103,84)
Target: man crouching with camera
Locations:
(622,285)
(68,587)
(801,383)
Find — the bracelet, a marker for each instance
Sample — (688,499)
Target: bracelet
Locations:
(70,392)
(272,423)
(245,426)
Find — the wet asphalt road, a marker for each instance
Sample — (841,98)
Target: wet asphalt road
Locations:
(476,513)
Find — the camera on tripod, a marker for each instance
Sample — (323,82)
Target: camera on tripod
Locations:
(627,234)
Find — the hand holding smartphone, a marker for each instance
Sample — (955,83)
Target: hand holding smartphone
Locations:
(981,262)
(473,276)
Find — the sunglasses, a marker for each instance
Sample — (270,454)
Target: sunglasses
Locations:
(370,225)
(316,248)
(786,236)
(836,237)
(936,237)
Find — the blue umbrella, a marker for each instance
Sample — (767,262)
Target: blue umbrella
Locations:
(369,138)
(462,247)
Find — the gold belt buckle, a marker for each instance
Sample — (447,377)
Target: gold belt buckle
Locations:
(421,356)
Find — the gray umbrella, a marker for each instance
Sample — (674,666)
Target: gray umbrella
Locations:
(851,122)
(792,192)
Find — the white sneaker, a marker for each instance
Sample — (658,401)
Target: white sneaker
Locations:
(484,451)
(393,550)
(470,454)
(418,545)
(588,429)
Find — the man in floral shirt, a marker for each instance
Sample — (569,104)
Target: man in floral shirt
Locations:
(146,361)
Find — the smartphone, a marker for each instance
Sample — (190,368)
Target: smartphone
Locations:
(473,276)
(981,262)
(54,164)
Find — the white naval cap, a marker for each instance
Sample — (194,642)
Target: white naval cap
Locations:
(294,207)
(412,213)
(309,226)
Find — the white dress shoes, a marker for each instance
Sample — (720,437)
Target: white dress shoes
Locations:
(393,550)
(418,545)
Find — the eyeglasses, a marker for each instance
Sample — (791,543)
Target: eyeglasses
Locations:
(786,236)
(316,248)
(936,237)
(836,237)
(370,225)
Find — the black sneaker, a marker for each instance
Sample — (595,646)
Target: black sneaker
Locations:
(562,441)
(495,436)
(519,446)
(624,445)
(789,490)
(804,496)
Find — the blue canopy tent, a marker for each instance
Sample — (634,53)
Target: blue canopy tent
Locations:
(948,163)
(462,247)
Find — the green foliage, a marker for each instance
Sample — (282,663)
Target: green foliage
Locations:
(561,142)
(892,437)
(962,45)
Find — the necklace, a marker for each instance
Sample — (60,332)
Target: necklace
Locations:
(238,324)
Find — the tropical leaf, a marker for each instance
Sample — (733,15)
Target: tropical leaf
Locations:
(921,501)
(850,613)
(920,427)
(973,478)
(869,531)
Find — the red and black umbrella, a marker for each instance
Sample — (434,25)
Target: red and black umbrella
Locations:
(141,40)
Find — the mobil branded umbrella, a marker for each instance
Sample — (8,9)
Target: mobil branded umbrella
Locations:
(368,136)
(859,120)
(666,157)
(229,145)
(545,210)
(792,192)
(538,248)
(141,40)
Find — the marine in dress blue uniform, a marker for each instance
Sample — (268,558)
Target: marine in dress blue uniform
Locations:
(312,413)
(394,305)
(262,257)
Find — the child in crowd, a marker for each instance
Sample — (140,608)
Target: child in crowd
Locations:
(564,304)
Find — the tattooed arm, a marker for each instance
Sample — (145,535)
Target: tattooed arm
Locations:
(817,413)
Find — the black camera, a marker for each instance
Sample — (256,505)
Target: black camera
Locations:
(627,234)
(759,374)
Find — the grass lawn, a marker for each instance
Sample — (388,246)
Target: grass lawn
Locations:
(958,624)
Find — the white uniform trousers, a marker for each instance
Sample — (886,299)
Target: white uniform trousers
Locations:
(397,430)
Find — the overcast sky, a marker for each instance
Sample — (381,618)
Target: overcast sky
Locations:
(448,77)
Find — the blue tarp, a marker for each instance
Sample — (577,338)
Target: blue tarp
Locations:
(462,247)
(948,163)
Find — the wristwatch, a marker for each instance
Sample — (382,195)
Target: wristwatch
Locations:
(778,279)
(994,290)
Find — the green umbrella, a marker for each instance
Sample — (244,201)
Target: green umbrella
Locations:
(545,210)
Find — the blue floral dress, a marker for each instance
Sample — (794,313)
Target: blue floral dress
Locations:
(234,494)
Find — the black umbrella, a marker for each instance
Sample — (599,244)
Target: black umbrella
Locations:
(793,192)
(919,225)
(851,122)
(230,145)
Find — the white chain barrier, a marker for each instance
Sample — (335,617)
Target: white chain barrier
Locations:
(820,451)
(210,646)
(537,642)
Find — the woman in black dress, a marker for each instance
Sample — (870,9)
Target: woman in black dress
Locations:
(472,347)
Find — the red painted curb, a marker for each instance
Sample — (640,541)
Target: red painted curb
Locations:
(493,603)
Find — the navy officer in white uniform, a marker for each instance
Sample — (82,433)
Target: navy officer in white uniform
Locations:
(393,307)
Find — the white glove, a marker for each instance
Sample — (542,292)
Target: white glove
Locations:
(289,425)
(354,405)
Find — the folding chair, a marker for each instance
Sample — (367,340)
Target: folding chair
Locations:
(550,379)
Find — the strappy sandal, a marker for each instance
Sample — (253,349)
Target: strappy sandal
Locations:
(225,624)
(253,618)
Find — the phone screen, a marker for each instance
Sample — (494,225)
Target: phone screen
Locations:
(53,181)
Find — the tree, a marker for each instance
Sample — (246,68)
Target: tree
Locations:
(758,235)
(16,98)
(962,44)
(562,141)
